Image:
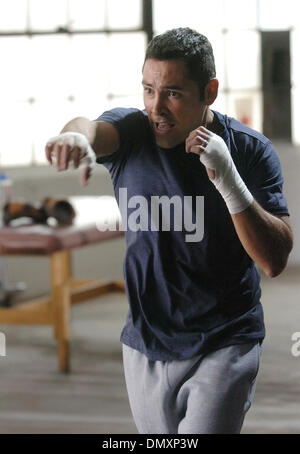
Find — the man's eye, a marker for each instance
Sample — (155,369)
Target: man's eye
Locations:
(173,94)
(148,90)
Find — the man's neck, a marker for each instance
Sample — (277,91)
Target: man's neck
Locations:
(212,122)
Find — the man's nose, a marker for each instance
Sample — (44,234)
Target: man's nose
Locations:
(158,106)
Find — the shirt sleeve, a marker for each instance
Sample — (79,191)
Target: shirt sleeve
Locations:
(265,180)
(131,125)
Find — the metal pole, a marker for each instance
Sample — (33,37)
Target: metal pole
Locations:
(148,19)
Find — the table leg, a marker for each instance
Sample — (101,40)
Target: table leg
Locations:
(61,301)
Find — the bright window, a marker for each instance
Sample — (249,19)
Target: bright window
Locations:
(16,133)
(277,14)
(240,14)
(243,67)
(49,77)
(124,14)
(126,70)
(47,14)
(9,20)
(49,65)
(202,16)
(88,73)
(87,14)
(15,69)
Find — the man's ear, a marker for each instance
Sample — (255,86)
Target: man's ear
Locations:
(211,91)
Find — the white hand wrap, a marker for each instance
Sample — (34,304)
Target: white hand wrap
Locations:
(76,139)
(227,180)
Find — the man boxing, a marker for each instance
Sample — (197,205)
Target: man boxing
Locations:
(193,334)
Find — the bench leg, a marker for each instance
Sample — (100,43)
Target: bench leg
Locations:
(61,303)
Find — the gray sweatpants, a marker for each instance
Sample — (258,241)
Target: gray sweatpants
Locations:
(207,394)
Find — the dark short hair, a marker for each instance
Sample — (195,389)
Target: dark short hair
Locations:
(188,46)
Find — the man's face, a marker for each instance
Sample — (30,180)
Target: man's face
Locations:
(172,101)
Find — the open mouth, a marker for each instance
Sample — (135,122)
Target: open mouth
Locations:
(163,127)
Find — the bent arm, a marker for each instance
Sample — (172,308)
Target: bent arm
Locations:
(267,239)
(102,136)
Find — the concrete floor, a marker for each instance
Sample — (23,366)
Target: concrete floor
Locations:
(36,398)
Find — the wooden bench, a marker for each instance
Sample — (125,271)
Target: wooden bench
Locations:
(57,243)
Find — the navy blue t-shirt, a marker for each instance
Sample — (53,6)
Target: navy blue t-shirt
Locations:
(189,292)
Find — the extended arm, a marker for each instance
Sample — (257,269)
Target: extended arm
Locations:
(82,140)
(267,239)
